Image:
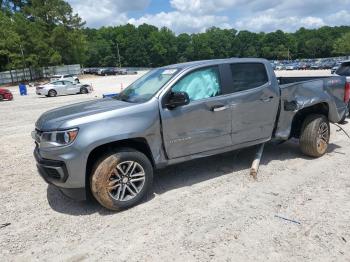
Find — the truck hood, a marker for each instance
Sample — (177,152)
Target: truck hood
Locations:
(53,119)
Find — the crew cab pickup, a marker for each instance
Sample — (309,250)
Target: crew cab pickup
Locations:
(109,147)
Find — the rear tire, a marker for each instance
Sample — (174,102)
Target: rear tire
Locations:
(1,97)
(52,93)
(121,179)
(315,134)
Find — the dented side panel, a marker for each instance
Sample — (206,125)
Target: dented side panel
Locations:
(301,95)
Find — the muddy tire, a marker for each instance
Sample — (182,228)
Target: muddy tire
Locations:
(315,134)
(121,179)
(52,93)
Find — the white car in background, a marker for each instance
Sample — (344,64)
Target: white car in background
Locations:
(71,78)
(65,87)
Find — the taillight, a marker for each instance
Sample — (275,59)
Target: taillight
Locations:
(347,93)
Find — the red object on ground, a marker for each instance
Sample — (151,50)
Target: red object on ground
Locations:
(5,94)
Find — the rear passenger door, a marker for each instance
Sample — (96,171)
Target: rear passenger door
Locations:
(254,101)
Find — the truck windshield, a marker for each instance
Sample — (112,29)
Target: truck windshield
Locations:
(146,86)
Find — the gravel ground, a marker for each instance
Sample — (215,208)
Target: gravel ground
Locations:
(203,210)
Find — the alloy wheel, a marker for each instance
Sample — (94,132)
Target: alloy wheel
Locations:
(126,181)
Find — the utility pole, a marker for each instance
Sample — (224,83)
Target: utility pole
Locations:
(23,61)
(120,65)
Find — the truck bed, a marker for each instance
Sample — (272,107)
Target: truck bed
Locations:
(304,93)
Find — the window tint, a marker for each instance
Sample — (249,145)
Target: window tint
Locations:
(57,83)
(200,84)
(248,75)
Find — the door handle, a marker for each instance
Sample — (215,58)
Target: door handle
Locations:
(218,108)
(267,99)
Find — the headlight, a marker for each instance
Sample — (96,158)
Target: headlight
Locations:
(58,138)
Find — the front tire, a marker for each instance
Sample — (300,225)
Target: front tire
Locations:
(83,90)
(315,134)
(121,179)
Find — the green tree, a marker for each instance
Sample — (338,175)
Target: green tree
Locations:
(342,45)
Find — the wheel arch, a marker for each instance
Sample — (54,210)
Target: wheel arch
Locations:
(52,89)
(139,144)
(298,119)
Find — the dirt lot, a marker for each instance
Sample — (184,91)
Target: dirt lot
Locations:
(208,209)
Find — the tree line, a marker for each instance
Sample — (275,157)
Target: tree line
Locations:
(36,33)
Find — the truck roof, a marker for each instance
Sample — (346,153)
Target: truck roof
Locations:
(214,62)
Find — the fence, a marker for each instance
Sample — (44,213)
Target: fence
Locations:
(30,74)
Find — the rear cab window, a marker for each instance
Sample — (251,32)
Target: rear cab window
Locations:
(247,76)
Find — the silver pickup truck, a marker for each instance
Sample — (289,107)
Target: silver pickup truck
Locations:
(108,148)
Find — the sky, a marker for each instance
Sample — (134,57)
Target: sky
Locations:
(192,16)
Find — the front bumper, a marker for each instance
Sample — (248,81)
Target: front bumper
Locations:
(52,171)
(55,173)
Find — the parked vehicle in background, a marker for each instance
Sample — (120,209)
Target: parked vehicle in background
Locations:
(121,71)
(5,94)
(106,72)
(315,66)
(344,70)
(65,87)
(71,78)
(291,67)
(125,71)
(91,71)
(87,71)
(304,66)
(131,72)
(280,67)
(176,113)
(328,65)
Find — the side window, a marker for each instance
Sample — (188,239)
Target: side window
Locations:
(248,75)
(200,84)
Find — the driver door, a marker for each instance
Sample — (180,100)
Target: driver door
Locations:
(202,125)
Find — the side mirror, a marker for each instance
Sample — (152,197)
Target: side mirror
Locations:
(176,99)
